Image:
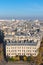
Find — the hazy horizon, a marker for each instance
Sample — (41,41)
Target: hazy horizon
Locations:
(21,8)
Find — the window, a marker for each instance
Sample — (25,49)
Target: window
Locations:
(23,50)
(30,47)
(34,47)
(12,47)
(7,47)
(19,53)
(19,50)
(15,50)
(28,50)
(9,50)
(19,47)
(33,50)
(8,54)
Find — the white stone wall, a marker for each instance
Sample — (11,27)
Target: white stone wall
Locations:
(21,50)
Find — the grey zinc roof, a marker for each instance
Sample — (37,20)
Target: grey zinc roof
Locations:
(30,44)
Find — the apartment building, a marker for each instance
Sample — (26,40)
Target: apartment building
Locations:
(25,47)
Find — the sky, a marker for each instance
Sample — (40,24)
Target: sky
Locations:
(21,8)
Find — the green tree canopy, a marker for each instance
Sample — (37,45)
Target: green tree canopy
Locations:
(1,36)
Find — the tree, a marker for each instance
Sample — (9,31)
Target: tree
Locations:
(41,45)
(24,58)
(1,44)
(30,59)
(1,36)
(39,59)
(17,58)
(11,59)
